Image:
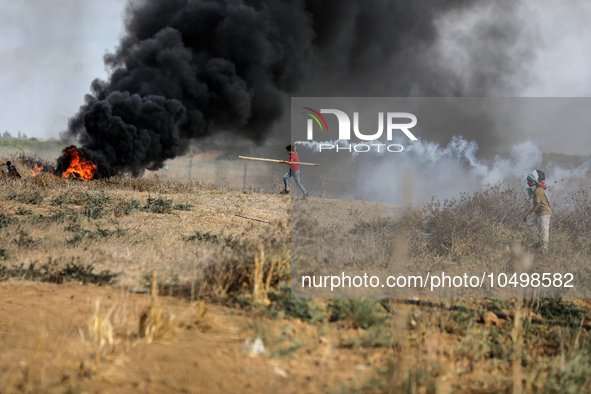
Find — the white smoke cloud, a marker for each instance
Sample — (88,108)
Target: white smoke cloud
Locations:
(446,171)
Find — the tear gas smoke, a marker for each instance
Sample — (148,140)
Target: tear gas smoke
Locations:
(446,171)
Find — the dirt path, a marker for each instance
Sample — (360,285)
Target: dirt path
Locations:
(49,343)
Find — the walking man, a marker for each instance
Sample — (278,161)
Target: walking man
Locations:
(541,211)
(294,171)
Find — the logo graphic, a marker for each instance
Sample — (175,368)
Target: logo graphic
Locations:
(392,122)
(315,116)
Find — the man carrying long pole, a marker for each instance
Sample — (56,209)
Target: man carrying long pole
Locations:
(294,171)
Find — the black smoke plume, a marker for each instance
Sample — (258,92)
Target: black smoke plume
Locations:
(187,69)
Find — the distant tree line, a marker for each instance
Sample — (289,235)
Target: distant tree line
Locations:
(7,136)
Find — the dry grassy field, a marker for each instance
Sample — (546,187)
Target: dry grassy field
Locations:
(149,285)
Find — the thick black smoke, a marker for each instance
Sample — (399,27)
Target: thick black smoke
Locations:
(187,69)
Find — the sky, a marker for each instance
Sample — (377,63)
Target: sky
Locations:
(51,51)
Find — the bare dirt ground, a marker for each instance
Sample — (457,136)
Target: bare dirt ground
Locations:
(47,346)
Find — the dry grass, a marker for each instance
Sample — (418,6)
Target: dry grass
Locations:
(482,231)
(113,226)
(468,235)
(185,239)
(154,324)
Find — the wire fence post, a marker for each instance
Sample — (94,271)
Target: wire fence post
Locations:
(272,177)
(245,171)
(190,167)
(217,165)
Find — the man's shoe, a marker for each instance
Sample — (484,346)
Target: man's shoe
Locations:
(306,196)
(286,191)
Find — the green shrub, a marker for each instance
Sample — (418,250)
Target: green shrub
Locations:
(28,197)
(558,309)
(23,211)
(575,378)
(183,207)
(460,321)
(5,220)
(282,305)
(158,205)
(209,237)
(94,204)
(24,240)
(359,313)
(53,272)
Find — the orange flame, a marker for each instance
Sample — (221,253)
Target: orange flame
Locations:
(80,167)
(36,170)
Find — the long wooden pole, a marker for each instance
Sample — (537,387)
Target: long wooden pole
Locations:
(277,161)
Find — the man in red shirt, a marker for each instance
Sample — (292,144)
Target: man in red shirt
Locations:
(294,171)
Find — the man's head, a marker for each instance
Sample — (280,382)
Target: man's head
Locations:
(535,177)
(289,151)
(8,163)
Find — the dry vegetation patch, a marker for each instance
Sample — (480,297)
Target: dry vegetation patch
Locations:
(226,257)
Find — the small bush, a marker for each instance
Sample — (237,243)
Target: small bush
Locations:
(51,272)
(83,273)
(61,199)
(575,216)
(23,211)
(158,205)
(482,224)
(27,273)
(5,221)
(358,313)
(94,205)
(231,270)
(28,197)
(75,228)
(104,233)
(481,344)
(559,309)
(99,199)
(282,305)
(24,240)
(208,237)
(75,240)
(460,321)
(573,378)
(60,216)
(123,207)
(183,207)
(93,212)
